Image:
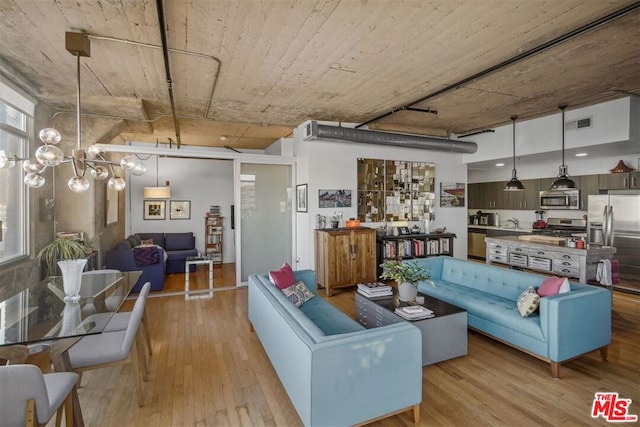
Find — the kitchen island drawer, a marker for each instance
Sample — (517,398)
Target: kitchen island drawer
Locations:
(560,263)
(497,247)
(566,257)
(566,271)
(499,258)
(541,253)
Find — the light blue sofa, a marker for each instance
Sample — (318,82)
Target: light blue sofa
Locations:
(565,327)
(336,372)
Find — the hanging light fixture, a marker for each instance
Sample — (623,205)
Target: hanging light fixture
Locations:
(49,155)
(157,192)
(514,183)
(563,181)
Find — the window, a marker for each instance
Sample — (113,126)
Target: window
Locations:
(14,139)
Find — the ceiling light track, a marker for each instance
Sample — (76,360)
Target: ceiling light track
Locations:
(513,60)
(167,68)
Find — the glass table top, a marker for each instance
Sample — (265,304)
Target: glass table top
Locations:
(40,313)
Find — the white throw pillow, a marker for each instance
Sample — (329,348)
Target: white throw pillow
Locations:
(528,302)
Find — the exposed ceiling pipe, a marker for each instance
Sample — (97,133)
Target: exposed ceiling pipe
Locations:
(167,68)
(313,130)
(524,55)
(180,51)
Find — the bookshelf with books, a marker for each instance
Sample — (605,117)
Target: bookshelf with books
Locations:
(213,234)
(412,246)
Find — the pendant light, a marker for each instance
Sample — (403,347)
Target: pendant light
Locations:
(157,192)
(514,184)
(563,182)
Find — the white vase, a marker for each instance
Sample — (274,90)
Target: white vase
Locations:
(72,277)
(407,292)
(71,319)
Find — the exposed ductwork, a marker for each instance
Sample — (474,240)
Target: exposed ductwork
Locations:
(313,130)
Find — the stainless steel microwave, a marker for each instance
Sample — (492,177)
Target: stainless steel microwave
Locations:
(560,199)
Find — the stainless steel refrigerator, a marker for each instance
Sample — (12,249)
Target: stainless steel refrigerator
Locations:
(614,220)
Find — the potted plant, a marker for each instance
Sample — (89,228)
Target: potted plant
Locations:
(407,275)
(71,256)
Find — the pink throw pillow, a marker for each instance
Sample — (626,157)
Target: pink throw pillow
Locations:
(283,277)
(553,286)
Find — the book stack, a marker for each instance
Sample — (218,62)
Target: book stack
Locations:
(374,290)
(414,312)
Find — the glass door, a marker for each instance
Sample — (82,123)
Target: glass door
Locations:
(266,218)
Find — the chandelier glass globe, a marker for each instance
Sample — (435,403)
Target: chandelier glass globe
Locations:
(34,180)
(50,136)
(130,162)
(30,166)
(95,150)
(7,160)
(99,172)
(49,155)
(139,170)
(116,183)
(78,184)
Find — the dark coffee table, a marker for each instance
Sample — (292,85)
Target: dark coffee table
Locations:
(444,336)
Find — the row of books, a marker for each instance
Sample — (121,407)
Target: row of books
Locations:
(414,312)
(374,289)
(415,248)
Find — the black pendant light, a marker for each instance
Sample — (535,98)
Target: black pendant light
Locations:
(563,182)
(514,184)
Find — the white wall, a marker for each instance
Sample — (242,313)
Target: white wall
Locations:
(612,122)
(614,136)
(327,164)
(204,182)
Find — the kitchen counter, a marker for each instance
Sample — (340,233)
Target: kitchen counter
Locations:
(493,227)
(546,257)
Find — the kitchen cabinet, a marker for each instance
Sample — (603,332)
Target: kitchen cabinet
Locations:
(619,181)
(345,257)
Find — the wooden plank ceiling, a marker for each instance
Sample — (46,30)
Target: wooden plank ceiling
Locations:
(253,70)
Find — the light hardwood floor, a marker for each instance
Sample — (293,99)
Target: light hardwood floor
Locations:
(209,370)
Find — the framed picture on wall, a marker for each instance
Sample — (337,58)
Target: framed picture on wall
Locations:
(154,209)
(301,198)
(180,209)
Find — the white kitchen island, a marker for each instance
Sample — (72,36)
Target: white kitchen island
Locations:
(547,258)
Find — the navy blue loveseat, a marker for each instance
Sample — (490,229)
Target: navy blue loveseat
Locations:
(155,254)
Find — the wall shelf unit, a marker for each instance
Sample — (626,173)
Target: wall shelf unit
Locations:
(213,233)
(412,246)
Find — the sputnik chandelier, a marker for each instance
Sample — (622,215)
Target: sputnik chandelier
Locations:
(49,155)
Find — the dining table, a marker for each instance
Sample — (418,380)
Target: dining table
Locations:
(41,318)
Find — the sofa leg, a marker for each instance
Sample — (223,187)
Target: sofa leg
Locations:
(416,414)
(555,369)
(604,352)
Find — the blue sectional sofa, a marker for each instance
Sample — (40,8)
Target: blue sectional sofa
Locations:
(566,325)
(336,372)
(172,251)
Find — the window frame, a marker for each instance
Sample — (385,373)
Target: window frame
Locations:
(7,95)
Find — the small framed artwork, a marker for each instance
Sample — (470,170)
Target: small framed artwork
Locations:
(154,209)
(301,198)
(180,209)
(334,198)
(452,195)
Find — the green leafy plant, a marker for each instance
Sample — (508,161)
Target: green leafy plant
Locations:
(61,248)
(405,272)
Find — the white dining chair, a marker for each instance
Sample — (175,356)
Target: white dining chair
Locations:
(29,397)
(113,348)
(119,321)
